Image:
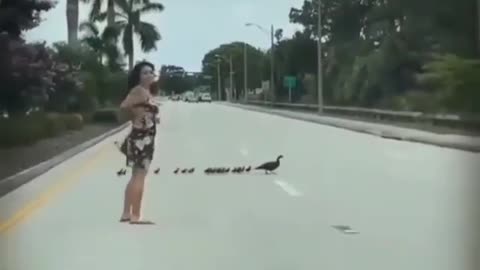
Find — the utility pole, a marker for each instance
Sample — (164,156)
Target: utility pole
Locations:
(231,80)
(319,61)
(245,71)
(272,64)
(218,82)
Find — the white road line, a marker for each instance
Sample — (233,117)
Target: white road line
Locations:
(289,189)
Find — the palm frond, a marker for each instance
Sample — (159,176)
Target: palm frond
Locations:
(96,9)
(94,43)
(151,7)
(148,35)
(123,5)
(128,39)
(89,27)
(100,17)
(110,34)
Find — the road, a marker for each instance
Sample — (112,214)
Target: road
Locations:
(407,202)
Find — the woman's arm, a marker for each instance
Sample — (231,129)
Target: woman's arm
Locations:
(129,104)
(135,97)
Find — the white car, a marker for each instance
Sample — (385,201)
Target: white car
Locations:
(205,97)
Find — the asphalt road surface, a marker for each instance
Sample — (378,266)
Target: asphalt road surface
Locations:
(406,204)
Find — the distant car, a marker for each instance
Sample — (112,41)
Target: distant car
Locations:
(191,98)
(205,97)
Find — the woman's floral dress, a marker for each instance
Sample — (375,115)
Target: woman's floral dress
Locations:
(139,145)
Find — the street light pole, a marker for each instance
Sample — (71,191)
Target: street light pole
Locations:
(232,95)
(245,71)
(218,82)
(319,61)
(272,64)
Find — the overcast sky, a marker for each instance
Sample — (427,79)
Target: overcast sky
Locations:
(190,28)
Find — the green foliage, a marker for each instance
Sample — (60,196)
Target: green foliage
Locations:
(129,23)
(17,16)
(256,61)
(372,53)
(73,121)
(456,82)
(29,129)
(107,116)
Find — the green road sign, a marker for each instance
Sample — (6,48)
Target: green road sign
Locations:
(290,81)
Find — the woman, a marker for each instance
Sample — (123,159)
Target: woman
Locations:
(139,145)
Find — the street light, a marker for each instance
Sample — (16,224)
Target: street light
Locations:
(218,77)
(245,71)
(231,69)
(272,56)
(319,61)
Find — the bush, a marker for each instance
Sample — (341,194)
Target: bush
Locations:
(73,121)
(21,131)
(54,124)
(454,82)
(106,116)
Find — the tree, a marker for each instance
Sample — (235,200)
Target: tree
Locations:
(17,16)
(97,10)
(130,14)
(103,44)
(72,21)
(255,64)
(175,79)
(24,68)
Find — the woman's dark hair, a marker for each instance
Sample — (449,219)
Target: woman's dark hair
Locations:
(134,76)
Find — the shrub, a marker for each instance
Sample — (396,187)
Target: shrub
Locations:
(21,131)
(54,124)
(73,121)
(106,116)
(454,82)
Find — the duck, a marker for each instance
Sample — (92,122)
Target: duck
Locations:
(271,166)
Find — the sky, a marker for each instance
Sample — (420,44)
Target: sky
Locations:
(190,28)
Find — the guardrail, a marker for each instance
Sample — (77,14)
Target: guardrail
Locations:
(443,120)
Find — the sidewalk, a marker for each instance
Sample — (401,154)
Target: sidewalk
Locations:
(461,142)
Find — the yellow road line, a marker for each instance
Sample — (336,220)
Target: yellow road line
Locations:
(63,182)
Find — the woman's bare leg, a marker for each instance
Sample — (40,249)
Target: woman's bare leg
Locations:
(137,189)
(127,201)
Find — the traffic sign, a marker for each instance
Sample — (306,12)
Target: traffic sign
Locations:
(290,82)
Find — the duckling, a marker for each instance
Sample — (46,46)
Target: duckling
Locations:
(156,171)
(248,169)
(176,171)
(191,170)
(121,172)
(184,170)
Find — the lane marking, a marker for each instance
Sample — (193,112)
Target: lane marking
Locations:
(70,177)
(289,189)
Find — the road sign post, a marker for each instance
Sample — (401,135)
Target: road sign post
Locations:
(290,82)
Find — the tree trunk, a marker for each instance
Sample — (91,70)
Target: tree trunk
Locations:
(478,27)
(130,60)
(72,21)
(110,12)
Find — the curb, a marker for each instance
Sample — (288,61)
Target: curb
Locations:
(379,133)
(13,182)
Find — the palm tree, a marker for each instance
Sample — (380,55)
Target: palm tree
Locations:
(130,13)
(72,21)
(104,44)
(96,10)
